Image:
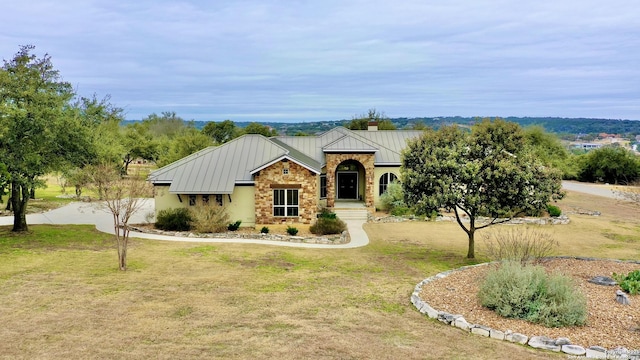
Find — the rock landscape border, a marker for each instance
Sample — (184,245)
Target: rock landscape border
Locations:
(539,342)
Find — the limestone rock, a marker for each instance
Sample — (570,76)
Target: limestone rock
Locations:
(496,334)
(481,330)
(596,352)
(563,341)
(622,298)
(573,350)
(462,324)
(543,342)
(603,280)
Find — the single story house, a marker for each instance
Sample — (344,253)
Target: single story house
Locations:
(285,179)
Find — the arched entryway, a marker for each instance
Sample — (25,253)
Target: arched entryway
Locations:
(348,180)
(350,177)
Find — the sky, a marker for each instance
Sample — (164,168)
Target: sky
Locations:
(301,61)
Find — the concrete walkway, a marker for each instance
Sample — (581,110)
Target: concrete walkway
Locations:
(80,213)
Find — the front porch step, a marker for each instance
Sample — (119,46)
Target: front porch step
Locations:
(351,214)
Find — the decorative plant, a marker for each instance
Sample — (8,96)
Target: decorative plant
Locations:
(234,226)
(264,230)
(292,230)
(629,283)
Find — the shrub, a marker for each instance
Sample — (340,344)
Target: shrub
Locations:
(629,283)
(554,211)
(328,225)
(327,214)
(178,219)
(523,245)
(209,218)
(292,230)
(527,292)
(393,197)
(234,226)
(400,211)
(264,230)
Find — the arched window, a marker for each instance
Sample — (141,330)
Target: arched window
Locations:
(385,180)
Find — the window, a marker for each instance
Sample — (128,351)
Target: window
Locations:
(285,171)
(285,202)
(205,199)
(323,186)
(385,180)
(219,199)
(192,200)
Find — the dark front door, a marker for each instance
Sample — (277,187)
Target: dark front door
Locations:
(347,185)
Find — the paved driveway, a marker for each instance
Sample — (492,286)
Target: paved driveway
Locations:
(592,189)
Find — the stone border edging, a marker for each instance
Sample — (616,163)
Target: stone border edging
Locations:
(342,238)
(538,342)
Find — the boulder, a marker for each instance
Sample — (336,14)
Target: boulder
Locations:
(622,298)
(573,350)
(603,280)
(596,352)
(543,342)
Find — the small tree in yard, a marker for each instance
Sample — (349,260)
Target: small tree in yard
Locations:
(122,199)
(488,172)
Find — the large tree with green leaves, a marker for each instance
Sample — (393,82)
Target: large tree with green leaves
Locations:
(38,132)
(488,172)
(612,164)
(221,132)
(361,122)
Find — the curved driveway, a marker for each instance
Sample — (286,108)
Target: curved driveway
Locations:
(80,213)
(588,188)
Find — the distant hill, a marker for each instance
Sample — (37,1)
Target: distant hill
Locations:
(552,124)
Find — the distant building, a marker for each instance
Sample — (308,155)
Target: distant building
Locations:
(587,146)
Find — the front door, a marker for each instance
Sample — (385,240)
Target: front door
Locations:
(347,185)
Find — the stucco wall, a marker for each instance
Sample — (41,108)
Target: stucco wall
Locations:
(241,207)
(165,200)
(378,172)
(299,178)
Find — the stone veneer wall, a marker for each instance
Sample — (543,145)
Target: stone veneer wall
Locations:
(333,160)
(299,178)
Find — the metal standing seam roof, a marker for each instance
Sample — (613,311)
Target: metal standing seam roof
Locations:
(216,170)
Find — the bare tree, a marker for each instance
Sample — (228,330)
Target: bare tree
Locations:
(122,198)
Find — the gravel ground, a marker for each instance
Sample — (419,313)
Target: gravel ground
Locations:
(609,324)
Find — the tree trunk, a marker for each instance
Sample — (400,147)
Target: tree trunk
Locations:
(472,231)
(32,193)
(19,199)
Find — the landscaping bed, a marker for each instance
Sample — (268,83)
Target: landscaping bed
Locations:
(609,324)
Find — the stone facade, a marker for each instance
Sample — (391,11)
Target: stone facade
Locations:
(366,160)
(298,177)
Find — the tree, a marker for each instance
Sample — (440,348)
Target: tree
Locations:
(615,165)
(122,199)
(38,133)
(221,132)
(489,172)
(361,122)
(548,149)
(189,141)
(257,128)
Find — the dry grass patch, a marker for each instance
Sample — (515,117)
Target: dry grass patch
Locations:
(182,300)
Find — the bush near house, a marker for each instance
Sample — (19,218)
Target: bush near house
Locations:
(527,292)
(554,211)
(292,230)
(209,218)
(174,220)
(328,223)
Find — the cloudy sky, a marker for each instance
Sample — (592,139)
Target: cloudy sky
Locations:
(303,60)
